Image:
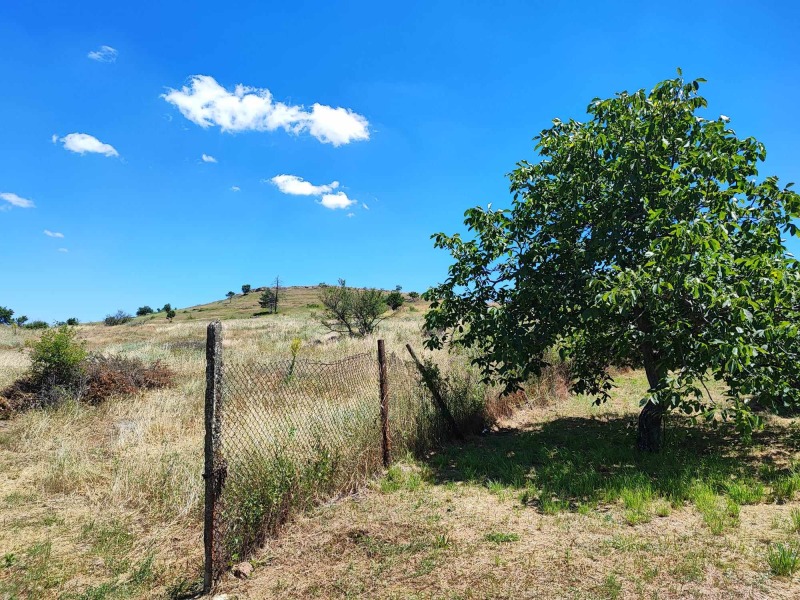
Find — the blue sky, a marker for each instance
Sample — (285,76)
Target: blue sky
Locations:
(423,107)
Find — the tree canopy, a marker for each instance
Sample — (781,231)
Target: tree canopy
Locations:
(645,237)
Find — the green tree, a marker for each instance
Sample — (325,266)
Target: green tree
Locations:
(72,321)
(21,320)
(413,295)
(144,310)
(170,315)
(352,311)
(267,299)
(167,307)
(641,236)
(395,299)
(246,289)
(5,315)
(230,296)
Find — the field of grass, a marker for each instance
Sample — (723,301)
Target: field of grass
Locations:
(105,502)
(556,504)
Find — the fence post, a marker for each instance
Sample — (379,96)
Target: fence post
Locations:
(213,425)
(448,416)
(386,442)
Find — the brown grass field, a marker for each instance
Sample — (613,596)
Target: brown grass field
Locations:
(105,502)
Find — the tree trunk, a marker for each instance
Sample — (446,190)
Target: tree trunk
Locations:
(649,436)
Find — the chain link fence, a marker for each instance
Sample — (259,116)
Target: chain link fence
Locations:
(286,435)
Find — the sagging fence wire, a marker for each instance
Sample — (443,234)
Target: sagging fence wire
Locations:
(285,435)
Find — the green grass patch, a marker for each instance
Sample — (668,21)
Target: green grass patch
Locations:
(783,559)
(499,537)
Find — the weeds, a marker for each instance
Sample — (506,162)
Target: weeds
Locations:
(783,559)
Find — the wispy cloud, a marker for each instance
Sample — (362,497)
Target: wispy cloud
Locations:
(105,54)
(63,250)
(53,234)
(337,200)
(207,103)
(235,188)
(364,206)
(14,200)
(297,186)
(208,158)
(81,143)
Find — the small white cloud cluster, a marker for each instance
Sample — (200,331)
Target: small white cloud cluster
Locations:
(207,103)
(81,143)
(12,199)
(105,54)
(53,234)
(297,186)
(207,158)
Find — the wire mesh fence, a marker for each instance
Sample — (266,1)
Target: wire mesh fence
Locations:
(285,435)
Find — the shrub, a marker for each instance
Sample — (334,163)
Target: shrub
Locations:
(395,300)
(72,322)
(36,325)
(170,315)
(144,310)
(57,356)
(107,376)
(246,289)
(413,295)
(352,311)
(119,318)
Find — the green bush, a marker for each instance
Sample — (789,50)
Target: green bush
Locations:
(118,318)
(57,356)
(395,300)
(36,325)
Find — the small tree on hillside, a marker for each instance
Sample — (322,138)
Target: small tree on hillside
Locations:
(413,296)
(395,299)
(267,300)
(246,289)
(5,315)
(144,310)
(230,296)
(166,308)
(352,311)
(641,236)
(170,315)
(21,320)
(276,288)
(73,321)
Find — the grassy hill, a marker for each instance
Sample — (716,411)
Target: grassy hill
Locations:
(295,301)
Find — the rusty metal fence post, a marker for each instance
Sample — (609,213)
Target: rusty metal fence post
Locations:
(386,443)
(213,406)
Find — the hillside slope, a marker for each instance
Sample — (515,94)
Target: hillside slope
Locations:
(295,300)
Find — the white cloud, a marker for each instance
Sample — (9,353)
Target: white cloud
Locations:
(53,234)
(105,54)
(206,103)
(349,215)
(63,250)
(364,206)
(83,143)
(297,186)
(208,158)
(14,200)
(235,188)
(337,200)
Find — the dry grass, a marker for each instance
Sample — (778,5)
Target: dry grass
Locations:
(442,529)
(132,464)
(104,502)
